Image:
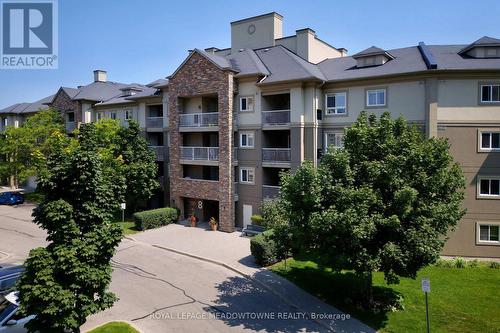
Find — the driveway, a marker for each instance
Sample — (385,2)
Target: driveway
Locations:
(163,291)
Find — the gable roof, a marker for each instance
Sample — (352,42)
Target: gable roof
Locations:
(246,62)
(99,91)
(285,65)
(448,57)
(221,62)
(36,106)
(483,41)
(372,51)
(141,92)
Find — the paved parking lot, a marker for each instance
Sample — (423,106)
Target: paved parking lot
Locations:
(161,291)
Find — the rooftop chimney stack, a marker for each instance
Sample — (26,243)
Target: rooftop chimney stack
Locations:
(256,32)
(100,76)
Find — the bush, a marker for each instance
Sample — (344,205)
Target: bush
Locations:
(150,219)
(256,219)
(444,263)
(495,264)
(263,248)
(459,262)
(474,263)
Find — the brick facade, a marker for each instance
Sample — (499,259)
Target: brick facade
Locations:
(199,76)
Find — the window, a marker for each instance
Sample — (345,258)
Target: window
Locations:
(376,97)
(334,139)
(98,116)
(71,117)
(112,115)
(490,93)
(246,140)
(489,233)
(246,104)
(489,187)
(336,103)
(247,175)
(6,121)
(489,141)
(128,114)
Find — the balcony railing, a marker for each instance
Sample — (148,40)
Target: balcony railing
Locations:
(270,192)
(160,152)
(275,118)
(205,119)
(154,122)
(276,155)
(200,153)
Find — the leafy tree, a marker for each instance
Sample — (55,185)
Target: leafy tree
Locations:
(24,148)
(383,203)
(69,279)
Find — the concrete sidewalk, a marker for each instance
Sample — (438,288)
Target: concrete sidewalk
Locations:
(232,251)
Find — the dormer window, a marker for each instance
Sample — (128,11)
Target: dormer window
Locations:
(372,56)
(483,48)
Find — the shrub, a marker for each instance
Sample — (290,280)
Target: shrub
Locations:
(263,248)
(444,263)
(256,219)
(459,262)
(495,264)
(474,263)
(155,218)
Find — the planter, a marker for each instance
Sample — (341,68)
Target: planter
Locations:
(214,227)
(193,221)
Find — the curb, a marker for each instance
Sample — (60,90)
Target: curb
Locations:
(115,321)
(245,275)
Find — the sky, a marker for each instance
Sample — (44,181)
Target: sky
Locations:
(141,41)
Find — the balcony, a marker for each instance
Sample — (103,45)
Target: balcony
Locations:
(160,152)
(276,118)
(235,155)
(154,122)
(70,126)
(199,155)
(199,121)
(276,155)
(270,192)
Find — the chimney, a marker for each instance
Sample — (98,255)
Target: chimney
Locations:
(100,76)
(256,32)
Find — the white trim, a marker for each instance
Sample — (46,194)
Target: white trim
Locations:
(478,187)
(478,233)
(337,132)
(376,91)
(481,132)
(249,134)
(491,85)
(247,109)
(250,174)
(333,111)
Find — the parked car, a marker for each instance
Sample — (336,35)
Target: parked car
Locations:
(9,276)
(10,320)
(11,198)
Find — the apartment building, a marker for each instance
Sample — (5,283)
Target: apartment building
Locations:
(228,121)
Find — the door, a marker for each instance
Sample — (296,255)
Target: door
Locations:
(247,214)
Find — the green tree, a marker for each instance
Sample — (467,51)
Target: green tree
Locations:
(385,202)
(69,279)
(24,148)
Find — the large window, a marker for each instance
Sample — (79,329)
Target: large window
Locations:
(247,175)
(336,103)
(247,140)
(489,141)
(489,233)
(334,139)
(489,187)
(376,97)
(490,93)
(246,104)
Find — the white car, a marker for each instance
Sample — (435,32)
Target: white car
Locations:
(10,320)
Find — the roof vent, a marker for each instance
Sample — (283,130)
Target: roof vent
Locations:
(372,56)
(100,75)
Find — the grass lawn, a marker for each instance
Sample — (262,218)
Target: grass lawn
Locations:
(115,327)
(34,197)
(128,227)
(461,299)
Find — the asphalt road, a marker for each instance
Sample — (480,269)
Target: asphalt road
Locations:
(161,291)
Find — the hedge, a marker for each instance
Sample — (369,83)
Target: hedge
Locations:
(256,219)
(263,248)
(150,219)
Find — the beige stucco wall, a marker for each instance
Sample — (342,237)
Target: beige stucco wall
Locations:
(120,112)
(458,101)
(267,29)
(403,98)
